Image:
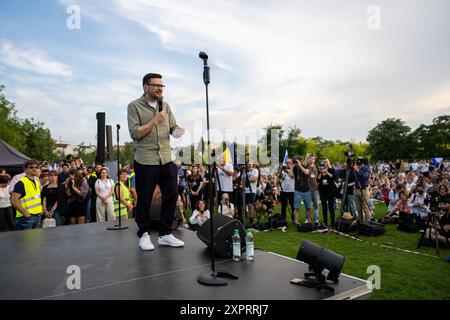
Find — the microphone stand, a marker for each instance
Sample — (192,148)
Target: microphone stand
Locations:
(118,226)
(211,278)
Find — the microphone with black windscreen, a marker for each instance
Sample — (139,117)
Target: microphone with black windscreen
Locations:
(160,103)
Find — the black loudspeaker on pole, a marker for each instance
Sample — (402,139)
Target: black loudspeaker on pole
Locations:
(211,278)
(109,144)
(118,226)
(100,158)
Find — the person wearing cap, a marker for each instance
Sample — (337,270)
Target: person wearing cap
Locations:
(151,123)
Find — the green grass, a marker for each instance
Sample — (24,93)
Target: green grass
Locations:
(403,275)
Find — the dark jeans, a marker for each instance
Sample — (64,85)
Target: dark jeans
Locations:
(32,222)
(287,197)
(147,177)
(327,199)
(7,215)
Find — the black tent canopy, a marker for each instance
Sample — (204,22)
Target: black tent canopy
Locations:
(10,159)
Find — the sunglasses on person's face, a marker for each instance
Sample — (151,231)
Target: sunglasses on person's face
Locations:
(33,167)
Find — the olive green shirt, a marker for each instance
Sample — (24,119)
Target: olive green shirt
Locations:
(154,148)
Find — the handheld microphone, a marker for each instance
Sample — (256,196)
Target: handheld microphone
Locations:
(203,56)
(160,103)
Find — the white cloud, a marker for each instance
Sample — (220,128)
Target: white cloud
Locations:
(31,60)
(310,64)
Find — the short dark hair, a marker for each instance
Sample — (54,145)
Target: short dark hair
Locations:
(4,178)
(30,162)
(65,164)
(150,76)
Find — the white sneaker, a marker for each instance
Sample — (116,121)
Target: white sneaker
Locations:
(145,243)
(170,240)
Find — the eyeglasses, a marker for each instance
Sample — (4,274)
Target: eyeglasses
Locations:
(33,167)
(156,85)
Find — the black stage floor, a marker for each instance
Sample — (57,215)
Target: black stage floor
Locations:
(34,263)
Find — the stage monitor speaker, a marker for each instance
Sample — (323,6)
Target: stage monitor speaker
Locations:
(100,137)
(223,229)
(109,144)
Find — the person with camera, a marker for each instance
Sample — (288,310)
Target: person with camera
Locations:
(314,187)
(326,190)
(438,194)
(226,207)
(301,173)
(77,189)
(287,188)
(349,202)
(418,203)
(199,216)
(443,226)
(362,194)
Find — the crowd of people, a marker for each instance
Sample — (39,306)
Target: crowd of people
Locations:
(68,192)
(73,193)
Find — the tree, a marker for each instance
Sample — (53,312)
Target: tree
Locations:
(433,140)
(10,124)
(267,138)
(390,140)
(27,136)
(126,153)
(87,156)
(39,142)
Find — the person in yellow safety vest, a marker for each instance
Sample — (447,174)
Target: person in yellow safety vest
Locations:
(132,186)
(125,202)
(26,198)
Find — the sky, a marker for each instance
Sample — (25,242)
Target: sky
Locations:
(332,68)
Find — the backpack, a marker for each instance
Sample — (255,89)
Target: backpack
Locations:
(407,223)
(346,225)
(307,227)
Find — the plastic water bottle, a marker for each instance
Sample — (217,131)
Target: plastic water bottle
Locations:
(236,245)
(249,246)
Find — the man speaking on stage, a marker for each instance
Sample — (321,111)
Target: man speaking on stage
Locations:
(151,122)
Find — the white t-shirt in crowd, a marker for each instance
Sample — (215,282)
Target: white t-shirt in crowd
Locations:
(5,199)
(227,210)
(424,168)
(195,219)
(287,183)
(252,174)
(414,166)
(104,187)
(226,181)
